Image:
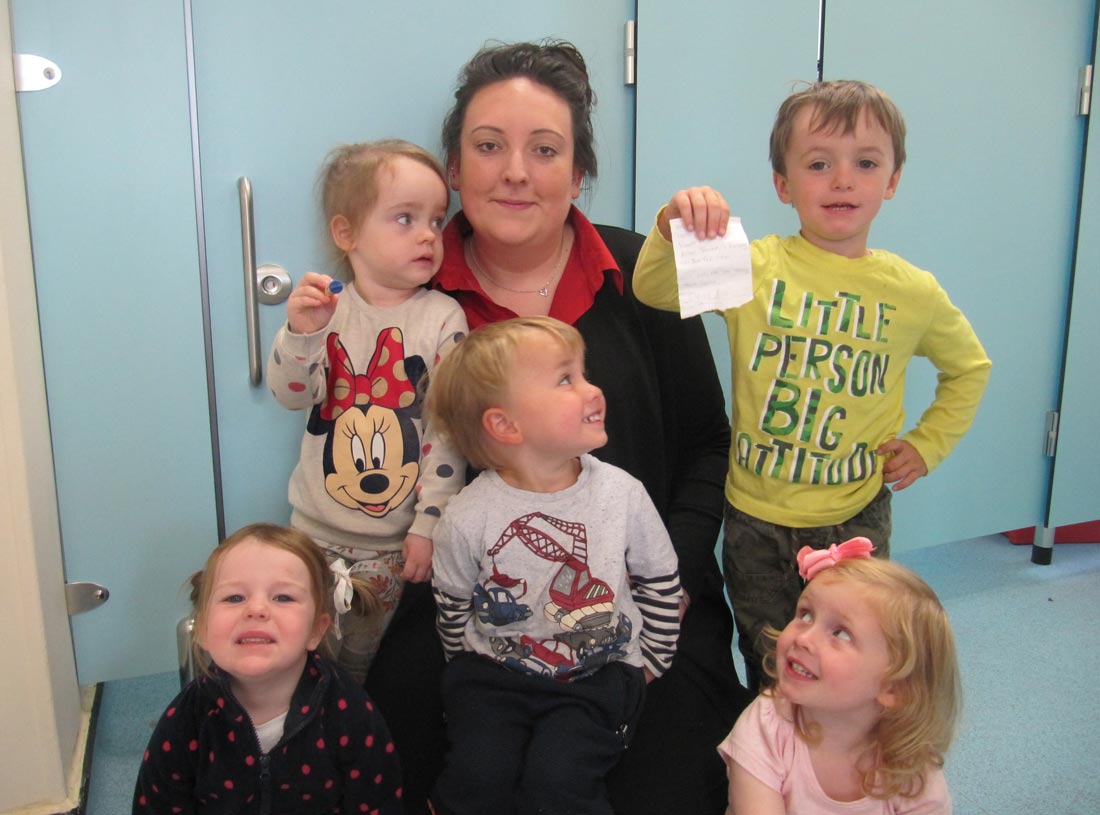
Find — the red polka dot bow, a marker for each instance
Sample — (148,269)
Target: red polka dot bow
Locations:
(385,382)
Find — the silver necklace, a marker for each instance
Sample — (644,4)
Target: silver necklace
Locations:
(542,291)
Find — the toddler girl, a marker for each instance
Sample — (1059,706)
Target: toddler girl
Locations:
(865,698)
(372,479)
(269,725)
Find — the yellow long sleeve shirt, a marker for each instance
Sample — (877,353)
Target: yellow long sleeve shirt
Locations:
(819,357)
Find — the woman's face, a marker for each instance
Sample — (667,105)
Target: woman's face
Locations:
(514,173)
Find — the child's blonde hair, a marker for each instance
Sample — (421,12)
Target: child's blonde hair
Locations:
(837,105)
(476,375)
(923,672)
(349,185)
(280,537)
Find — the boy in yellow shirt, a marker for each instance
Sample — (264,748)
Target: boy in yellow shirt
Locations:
(819,353)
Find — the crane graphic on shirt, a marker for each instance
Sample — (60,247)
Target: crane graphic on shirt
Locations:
(582,605)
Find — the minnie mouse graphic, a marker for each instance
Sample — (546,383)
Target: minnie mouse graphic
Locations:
(371,456)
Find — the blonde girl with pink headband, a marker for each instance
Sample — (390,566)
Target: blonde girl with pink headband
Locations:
(864,700)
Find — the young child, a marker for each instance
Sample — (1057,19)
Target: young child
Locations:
(556,581)
(269,725)
(865,700)
(819,353)
(372,479)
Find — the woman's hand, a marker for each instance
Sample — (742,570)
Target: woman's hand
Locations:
(418,558)
(703,210)
(310,306)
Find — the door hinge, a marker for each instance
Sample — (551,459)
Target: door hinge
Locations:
(1051,443)
(1084,90)
(34,73)
(630,64)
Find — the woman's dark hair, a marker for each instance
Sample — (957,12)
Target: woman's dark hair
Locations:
(555,64)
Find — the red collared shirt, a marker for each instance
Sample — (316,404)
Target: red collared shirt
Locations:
(583,276)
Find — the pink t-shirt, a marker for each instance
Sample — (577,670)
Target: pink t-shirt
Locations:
(766,745)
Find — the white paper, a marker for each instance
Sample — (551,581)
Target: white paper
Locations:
(712,273)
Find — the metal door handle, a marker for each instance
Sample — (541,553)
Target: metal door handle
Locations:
(269,284)
(251,307)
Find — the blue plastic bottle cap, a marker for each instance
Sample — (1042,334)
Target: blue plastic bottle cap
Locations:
(335,287)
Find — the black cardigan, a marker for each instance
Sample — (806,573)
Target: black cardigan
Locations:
(667,426)
(335,755)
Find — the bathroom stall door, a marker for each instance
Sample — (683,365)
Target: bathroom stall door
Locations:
(278,85)
(1074,493)
(988,203)
(107,155)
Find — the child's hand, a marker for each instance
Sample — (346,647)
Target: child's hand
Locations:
(703,210)
(310,306)
(418,558)
(904,464)
(648,674)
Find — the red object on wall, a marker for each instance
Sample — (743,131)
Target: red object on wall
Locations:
(1088,532)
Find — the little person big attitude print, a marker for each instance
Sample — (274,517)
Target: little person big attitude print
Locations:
(823,354)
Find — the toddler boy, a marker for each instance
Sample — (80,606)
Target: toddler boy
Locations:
(556,582)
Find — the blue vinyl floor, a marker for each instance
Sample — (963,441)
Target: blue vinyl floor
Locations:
(1028,649)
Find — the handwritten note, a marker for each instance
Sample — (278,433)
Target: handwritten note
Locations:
(714,273)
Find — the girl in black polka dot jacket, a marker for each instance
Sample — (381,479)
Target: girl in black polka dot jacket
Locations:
(270,726)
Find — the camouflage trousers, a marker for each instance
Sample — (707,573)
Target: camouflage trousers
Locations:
(761,571)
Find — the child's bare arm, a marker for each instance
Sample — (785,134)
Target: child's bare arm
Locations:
(703,210)
(750,796)
(904,464)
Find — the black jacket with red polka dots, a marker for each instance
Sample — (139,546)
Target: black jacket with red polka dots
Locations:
(335,755)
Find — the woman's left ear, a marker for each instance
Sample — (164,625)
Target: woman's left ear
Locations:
(578,180)
(452,175)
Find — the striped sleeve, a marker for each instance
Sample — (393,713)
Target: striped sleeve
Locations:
(658,600)
(452,614)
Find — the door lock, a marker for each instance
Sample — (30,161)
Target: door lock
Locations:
(273,284)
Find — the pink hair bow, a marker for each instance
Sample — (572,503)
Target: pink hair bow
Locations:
(811,561)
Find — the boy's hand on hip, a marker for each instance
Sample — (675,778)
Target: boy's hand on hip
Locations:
(904,464)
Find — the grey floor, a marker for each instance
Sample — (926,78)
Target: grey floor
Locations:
(1027,639)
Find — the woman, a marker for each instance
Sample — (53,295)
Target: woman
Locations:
(519,147)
